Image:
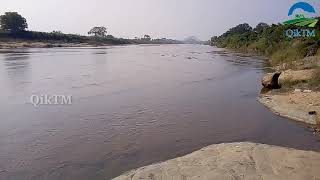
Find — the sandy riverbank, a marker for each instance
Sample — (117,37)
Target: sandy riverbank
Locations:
(299,96)
(297,105)
(31,44)
(234,161)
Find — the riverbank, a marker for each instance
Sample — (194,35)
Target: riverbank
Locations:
(234,161)
(34,44)
(15,44)
(33,39)
(295,63)
(298,97)
(299,105)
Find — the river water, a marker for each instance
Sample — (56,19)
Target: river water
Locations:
(131,106)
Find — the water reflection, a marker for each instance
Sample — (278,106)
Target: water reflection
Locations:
(17,66)
(16,61)
(240,59)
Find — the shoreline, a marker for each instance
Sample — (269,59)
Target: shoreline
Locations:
(38,44)
(25,44)
(293,103)
(298,106)
(297,99)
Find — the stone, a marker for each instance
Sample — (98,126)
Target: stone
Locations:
(270,80)
(312,113)
(234,161)
(296,75)
(307,91)
(295,106)
(297,90)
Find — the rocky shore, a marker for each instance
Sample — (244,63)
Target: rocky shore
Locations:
(234,161)
(292,94)
(298,105)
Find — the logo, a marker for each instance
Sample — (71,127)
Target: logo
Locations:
(301,19)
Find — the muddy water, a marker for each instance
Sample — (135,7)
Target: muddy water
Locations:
(131,106)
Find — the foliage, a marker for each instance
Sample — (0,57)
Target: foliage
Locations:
(268,40)
(239,29)
(13,28)
(57,36)
(260,27)
(13,22)
(136,40)
(98,31)
(146,38)
(315,82)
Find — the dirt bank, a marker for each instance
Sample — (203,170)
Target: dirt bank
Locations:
(31,44)
(234,161)
(300,105)
(299,96)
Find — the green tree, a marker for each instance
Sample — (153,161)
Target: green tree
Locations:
(213,40)
(239,29)
(98,31)
(13,22)
(147,37)
(261,27)
(110,37)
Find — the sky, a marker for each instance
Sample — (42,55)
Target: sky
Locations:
(176,19)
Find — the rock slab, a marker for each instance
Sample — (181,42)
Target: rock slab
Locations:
(234,161)
(296,105)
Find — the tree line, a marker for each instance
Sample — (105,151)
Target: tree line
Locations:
(269,40)
(13,22)
(13,25)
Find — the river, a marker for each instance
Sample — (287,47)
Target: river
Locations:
(131,106)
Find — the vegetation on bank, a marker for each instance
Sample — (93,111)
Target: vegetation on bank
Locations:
(146,39)
(58,37)
(271,41)
(13,28)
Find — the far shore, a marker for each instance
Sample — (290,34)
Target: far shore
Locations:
(34,44)
(39,44)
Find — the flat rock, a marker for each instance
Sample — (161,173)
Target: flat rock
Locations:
(234,161)
(274,80)
(298,75)
(295,105)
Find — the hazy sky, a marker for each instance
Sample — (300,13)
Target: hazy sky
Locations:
(159,18)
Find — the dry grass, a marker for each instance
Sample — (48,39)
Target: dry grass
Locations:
(315,81)
(312,84)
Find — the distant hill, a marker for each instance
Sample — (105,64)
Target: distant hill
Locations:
(192,40)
